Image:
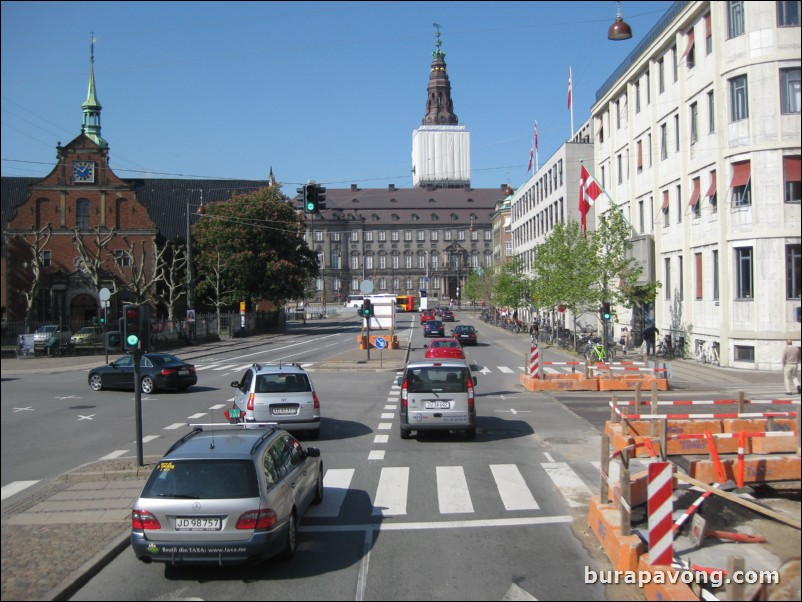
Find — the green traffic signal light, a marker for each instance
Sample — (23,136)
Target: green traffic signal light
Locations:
(132,326)
(606,312)
(310,198)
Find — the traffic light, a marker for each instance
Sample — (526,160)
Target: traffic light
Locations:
(102,316)
(606,314)
(114,340)
(320,196)
(367,308)
(132,333)
(310,198)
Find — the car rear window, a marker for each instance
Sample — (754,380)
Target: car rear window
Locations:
(202,479)
(282,383)
(434,379)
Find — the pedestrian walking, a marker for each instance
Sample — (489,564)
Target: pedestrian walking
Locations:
(790,360)
(649,334)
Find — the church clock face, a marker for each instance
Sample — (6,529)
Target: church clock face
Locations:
(83,172)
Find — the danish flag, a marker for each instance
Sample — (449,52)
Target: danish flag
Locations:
(589,191)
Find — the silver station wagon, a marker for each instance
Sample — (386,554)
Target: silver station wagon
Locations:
(229,495)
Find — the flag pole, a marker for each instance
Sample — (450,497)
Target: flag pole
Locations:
(571,100)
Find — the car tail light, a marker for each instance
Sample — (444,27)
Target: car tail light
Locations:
(250,402)
(404,394)
(470,393)
(315,400)
(257,519)
(142,520)
(169,371)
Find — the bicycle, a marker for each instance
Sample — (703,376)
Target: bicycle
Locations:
(665,349)
(597,353)
(707,353)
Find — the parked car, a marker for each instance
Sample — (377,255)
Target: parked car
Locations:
(224,497)
(437,395)
(466,334)
(427,315)
(88,336)
(43,335)
(281,393)
(434,328)
(444,348)
(157,371)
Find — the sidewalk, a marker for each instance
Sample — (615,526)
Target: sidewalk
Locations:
(56,539)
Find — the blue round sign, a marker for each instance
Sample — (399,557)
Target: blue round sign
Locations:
(381,343)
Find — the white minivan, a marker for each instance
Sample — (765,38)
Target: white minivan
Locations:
(437,395)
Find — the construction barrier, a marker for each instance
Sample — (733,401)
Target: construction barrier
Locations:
(534,361)
(660,507)
(609,515)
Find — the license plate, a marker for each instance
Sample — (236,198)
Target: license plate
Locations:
(183,372)
(234,413)
(197,523)
(283,411)
(437,405)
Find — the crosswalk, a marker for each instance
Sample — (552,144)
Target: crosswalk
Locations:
(402,490)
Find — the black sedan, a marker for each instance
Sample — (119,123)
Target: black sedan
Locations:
(157,371)
(465,334)
(434,328)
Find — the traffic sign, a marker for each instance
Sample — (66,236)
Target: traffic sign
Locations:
(381,343)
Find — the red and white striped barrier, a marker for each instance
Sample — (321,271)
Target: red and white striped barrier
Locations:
(534,362)
(707,402)
(660,505)
(562,363)
(714,416)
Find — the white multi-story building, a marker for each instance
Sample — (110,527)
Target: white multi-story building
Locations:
(697,140)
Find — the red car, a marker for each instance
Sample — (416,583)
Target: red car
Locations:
(427,315)
(448,348)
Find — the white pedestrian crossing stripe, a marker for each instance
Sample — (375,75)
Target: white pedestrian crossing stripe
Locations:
(454,495)
(512,487)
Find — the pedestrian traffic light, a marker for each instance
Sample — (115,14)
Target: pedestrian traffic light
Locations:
(367,308)
(310,198)
(606,314)
(132,332)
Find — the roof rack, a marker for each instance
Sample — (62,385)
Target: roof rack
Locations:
(279,363)
(199,426)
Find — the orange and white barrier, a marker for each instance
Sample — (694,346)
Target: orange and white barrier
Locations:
(534,362)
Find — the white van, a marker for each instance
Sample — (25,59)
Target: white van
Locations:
(354,301)
(437,395)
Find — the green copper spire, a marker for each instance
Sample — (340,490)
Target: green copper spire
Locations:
(437,54)
(91,106)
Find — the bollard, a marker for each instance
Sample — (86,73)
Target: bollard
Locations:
(661,505)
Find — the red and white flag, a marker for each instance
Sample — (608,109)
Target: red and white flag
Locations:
(569,87)
(589,191)
(533,148)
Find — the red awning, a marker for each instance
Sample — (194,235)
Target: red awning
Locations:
(689,47)
(792,169)
(695,195)
(711,192)
(665,201)
(740,174)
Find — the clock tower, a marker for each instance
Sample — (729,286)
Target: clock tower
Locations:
(441,148)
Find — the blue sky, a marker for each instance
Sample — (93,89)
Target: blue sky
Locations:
(329,91)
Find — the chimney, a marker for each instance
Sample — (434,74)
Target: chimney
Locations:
(354,188)
(391,187)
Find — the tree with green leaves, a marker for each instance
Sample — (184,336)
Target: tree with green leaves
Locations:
(480,286)
(565,269)
(513,287)
(258,237)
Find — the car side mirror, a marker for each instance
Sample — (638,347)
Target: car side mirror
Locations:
(399,380)
(313,452)
(473,378)
(235,384)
